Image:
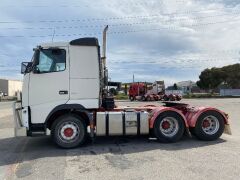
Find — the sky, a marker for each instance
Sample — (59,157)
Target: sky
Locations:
(170,40)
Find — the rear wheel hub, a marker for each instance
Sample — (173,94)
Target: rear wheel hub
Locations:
(206,123)
(169,126)
(165,125)
(210,125)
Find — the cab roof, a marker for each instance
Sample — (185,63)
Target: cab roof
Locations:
(88,41)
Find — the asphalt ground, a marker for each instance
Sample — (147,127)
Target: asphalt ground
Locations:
(123,158)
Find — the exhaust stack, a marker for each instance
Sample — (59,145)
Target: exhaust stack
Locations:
(104,47)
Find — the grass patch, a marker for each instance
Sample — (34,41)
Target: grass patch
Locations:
(121,97)
(196,96)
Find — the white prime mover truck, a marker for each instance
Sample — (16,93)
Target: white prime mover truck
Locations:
(64,91)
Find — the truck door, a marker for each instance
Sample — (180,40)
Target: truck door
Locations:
(49,82)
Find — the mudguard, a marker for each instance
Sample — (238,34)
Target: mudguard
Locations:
(193,114)
(157,111)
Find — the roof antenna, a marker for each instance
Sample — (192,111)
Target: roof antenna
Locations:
(53,34)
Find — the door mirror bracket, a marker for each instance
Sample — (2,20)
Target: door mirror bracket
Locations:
(26,67)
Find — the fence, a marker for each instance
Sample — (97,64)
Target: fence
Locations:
(179,92)
(229,92)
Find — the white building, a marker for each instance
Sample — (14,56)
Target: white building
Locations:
(186,86)
(10,87)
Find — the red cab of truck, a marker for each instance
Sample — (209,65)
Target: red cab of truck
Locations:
(136,89)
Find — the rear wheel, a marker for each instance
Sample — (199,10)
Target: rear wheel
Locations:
(169,127)
(165,98)
(209,126)
(69,131)
(143,98)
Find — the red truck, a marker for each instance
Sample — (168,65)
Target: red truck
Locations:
(138,91)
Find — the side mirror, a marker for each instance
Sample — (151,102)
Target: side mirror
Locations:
(23,68)
(26,67)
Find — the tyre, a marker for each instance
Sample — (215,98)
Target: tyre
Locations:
(69,131)
(143,98)
(169,127)
(209,126)
(165,98)
(131,98)
(148,98)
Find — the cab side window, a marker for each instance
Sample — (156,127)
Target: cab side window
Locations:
(51,60)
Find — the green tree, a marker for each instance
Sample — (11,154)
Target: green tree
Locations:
(228,75)
(175,87)
(113,91)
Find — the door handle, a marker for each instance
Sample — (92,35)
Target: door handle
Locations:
(62,92)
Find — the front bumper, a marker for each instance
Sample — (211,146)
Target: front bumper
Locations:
(227,129)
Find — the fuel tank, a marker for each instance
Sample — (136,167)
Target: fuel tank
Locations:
(122,123)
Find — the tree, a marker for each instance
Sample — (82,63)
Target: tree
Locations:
(175,87)
(113,91)
(232,78)
(212,78)
(205,79)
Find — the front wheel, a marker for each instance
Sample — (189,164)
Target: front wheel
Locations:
(148,98)
(69,131)
(209,126)
(169,127)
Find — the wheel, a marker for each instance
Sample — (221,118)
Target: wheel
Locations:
(169,127)
(209,126)
(165,98)
(131,98)
(148,98)
(143,98)
(69,131)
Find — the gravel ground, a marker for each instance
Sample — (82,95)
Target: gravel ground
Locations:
(123,158)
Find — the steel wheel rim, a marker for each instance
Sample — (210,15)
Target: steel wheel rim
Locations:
(64,127)
(173,126)
(213,125)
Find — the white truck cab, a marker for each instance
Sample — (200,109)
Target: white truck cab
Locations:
(61,75)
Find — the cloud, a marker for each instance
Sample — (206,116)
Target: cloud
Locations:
(170,40)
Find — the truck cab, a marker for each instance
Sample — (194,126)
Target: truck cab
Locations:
(61,75)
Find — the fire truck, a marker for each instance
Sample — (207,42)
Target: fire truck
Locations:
(64,93)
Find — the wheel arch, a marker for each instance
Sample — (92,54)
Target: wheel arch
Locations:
(60,110)
(193,118)
(158,111)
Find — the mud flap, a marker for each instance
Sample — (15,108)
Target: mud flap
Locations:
(187,132)
(19,130)
(227,129)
